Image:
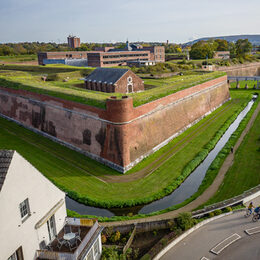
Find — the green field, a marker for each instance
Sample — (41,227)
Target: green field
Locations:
(242,84)
(74,172)
(245,171)
(31,80)
(18,58)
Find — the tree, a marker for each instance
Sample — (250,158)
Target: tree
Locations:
(203,50)
(243,47)
(222,45)
(232,50)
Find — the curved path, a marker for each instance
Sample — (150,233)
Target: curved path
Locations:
(208,193)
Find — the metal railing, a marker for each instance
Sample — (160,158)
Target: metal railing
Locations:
(86,240)
(44,254)
(50,255)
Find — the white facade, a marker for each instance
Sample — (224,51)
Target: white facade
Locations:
(23,182)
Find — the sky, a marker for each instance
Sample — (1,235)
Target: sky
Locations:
(119,20)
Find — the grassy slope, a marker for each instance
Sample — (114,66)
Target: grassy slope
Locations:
(31,80)
(244,173)
(46,157)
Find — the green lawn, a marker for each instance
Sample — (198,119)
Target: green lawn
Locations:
(18,58)
(75,172)
(245,172)
(31,80)
(242,84)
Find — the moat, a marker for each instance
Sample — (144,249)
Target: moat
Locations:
(183,192)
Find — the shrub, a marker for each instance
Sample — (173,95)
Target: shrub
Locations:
(185,221)
(211,214)
(164,242)
(241,60)
(146,257)
(115,237)
(155,233)
(228,209)
(217,212)
(235,61)
(103,239)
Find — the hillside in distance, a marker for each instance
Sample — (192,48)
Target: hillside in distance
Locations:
(253,38)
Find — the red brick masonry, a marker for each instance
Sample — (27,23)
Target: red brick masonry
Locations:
(121,135)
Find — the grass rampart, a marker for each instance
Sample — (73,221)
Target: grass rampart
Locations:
(29,78)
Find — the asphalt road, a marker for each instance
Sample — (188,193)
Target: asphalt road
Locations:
(199,243)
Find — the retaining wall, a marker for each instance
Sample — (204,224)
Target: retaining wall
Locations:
(251,69)
(120,135)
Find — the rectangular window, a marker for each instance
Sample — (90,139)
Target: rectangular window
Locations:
(24,209)
(51,228)
(18,255)
(90,255)
(96,248)
(12,257)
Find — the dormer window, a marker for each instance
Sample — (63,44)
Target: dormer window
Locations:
(24,209)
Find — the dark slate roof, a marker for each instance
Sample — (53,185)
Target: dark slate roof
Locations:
(108,75)
(5,160)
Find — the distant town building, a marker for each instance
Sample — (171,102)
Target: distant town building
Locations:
(106,56)
(114,80)
(224,55)
(140,63)
(73,41)
(33,217)
(115,58)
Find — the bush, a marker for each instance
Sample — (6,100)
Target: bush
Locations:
(217,212)
(115,237)
(241,60)
(164,242)
(211,214)
(228,209)
(185,221)
(146,257)
(103,239)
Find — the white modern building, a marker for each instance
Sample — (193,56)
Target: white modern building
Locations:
(33,213)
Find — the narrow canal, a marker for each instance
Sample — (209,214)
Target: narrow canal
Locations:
(183,192)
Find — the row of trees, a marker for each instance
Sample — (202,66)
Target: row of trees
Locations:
(23,48)
(206,49)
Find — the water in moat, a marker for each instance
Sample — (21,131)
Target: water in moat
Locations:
(183,192)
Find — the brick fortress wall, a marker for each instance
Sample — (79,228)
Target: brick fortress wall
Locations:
(121,135)
(250,69)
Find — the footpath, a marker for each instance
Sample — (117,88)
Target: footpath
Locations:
(208,193)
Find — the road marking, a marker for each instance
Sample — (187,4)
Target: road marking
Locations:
(225,243)
(204,258)
(252,231)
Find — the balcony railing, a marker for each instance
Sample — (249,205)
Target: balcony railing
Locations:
(59,255)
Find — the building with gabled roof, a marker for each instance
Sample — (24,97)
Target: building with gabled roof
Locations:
(33,215)
(114,80)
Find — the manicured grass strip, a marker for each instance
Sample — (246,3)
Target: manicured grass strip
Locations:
(69,169)
(245,171)
(242,84)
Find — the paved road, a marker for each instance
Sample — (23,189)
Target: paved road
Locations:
(199,243)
